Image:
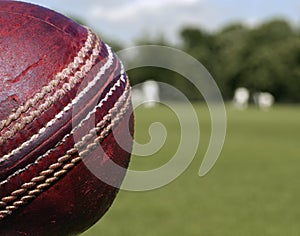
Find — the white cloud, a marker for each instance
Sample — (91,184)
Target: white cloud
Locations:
(252,22)
(133,9)
(132,19)
(126,20)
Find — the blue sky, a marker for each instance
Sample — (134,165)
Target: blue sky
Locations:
(128,20)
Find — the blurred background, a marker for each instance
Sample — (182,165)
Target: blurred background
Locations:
(252,49)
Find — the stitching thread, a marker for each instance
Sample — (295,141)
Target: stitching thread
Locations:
(105,119)
(71,68)
(68,107)
(42,181)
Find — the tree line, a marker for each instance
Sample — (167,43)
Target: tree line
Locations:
(262,58)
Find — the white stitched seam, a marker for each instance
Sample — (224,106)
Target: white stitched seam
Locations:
(67,108)
(48,88)
(117,84)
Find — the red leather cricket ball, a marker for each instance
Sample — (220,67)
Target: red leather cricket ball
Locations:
(64,96)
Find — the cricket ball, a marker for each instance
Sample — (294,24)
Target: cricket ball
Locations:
(64,98)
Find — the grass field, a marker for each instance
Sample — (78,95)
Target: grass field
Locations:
(252,191)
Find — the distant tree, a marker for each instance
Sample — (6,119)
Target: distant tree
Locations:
(202,46)
(149,73)
(273,31)
(231,44)
(199,44)
(269,60)
(262,58)
(163,75)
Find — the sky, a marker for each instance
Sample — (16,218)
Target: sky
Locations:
(127,21)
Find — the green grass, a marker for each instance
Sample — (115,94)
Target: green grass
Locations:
(253,190)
